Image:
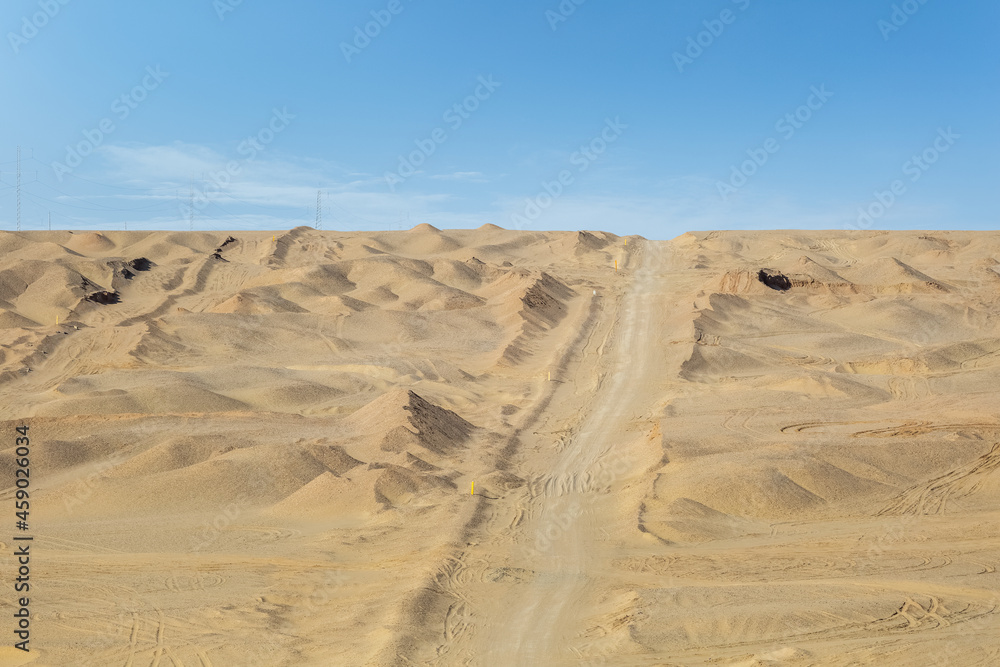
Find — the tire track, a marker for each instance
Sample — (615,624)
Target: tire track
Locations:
(133,640)
(934,496)
(450,579)
(199,281)
(532,625)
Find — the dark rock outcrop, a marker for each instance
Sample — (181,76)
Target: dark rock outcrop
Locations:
(104,298)
(774,280)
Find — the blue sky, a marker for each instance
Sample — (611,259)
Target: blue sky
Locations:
(649,118)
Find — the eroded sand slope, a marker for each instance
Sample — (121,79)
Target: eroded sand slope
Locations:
(259,449)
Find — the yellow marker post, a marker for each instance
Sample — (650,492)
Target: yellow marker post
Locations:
(616,266)
(473,492)
(57,320)
(550,376)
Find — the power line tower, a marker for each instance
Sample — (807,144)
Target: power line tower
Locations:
(18,188)
(319,209)
(191,210)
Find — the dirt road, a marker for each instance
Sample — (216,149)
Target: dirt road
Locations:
(574,502)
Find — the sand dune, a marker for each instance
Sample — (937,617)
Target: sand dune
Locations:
(465,447)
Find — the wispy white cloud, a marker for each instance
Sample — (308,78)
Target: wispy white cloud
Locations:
(275,191)
(266,191)
(470,176)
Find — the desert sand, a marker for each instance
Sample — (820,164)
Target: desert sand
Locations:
(490,447)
